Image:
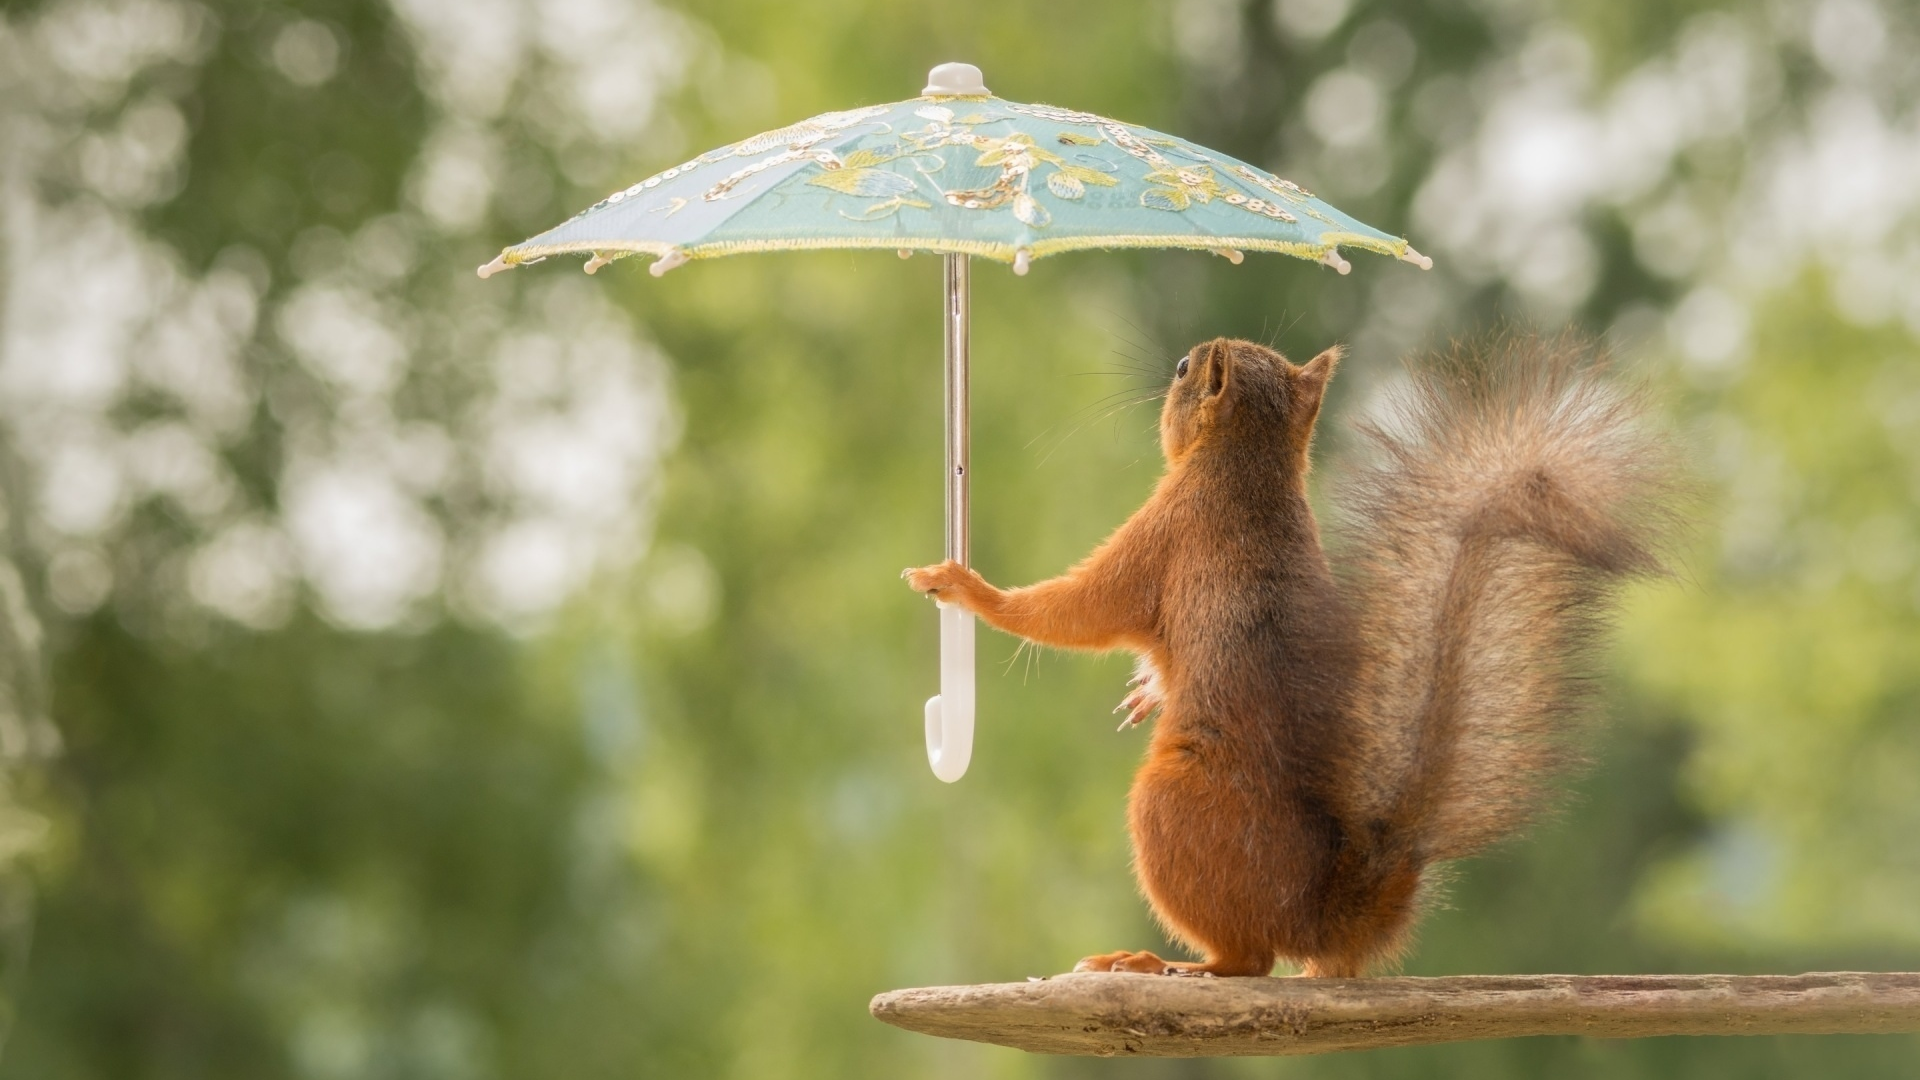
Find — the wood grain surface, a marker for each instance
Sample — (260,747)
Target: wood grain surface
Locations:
(1161,1016)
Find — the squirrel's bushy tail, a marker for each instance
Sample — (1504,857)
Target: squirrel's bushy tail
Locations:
(1513,487)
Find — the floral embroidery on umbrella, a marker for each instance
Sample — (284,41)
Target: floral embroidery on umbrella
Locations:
(1172,185)
(859,174)
(1070,181)
(942,130)
(826,159)
(1176,188)
(805,133)
(1288,190)
(797,138)
(1016,156)
(1057,114)
(1259,206)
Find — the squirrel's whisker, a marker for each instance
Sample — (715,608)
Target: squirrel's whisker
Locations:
(1121,407)
(1089,409)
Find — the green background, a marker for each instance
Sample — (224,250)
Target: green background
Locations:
(677,820)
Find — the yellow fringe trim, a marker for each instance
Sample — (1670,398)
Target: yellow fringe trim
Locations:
(985,249)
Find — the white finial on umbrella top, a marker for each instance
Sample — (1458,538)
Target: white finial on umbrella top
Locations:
(955,80)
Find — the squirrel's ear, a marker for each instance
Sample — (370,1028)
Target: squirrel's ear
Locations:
(1217,372)
(1320,368)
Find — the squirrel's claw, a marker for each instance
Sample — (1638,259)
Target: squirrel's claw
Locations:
(1144,699)
(926,579)
(947,583)
(1139,705)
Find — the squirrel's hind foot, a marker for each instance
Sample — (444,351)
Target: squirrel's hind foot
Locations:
(1333,968)
(1146,963)
(1139,963)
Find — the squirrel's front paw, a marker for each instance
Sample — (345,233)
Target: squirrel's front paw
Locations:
(947,582)
(1145,698)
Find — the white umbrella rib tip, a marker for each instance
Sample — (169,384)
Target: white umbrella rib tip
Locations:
(600,259)
(1416,259)
(1332,258)
(1022,260)
(666,262)
(1232,255)
(498,264)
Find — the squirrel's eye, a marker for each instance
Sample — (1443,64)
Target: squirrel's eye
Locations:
(1180,370)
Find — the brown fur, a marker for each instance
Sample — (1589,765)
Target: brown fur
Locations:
(1325,740)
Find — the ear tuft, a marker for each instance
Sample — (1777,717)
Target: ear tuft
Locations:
(1320,368)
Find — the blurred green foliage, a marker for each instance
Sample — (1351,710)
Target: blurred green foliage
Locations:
(1796,658)
(681,824)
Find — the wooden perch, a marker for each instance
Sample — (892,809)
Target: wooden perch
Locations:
(1160,1016)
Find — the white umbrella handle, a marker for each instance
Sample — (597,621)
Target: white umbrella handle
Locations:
(949,714)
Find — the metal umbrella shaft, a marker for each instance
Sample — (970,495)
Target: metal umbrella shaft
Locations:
(949,714)
(959,422)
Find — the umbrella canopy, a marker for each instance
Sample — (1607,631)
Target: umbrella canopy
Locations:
(962,173)
(957,171)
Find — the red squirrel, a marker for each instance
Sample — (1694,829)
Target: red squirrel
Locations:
(1327,737)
